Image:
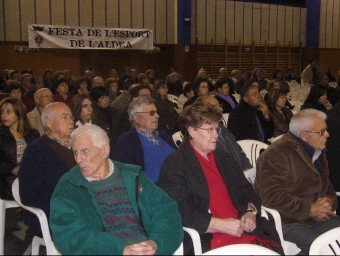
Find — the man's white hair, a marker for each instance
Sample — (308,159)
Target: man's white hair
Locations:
(49,113)
(96,134)
(303,120)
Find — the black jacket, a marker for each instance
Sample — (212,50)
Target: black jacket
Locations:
(8,148)
(243,125)
(183,179)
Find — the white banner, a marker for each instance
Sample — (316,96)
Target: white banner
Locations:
(53,36)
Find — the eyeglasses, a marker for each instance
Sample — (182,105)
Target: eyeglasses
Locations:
(321,133)
(210,130)
(151,112)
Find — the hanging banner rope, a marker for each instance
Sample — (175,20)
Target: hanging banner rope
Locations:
(54,36)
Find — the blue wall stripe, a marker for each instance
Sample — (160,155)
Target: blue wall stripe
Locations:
(313,23)
(184,27)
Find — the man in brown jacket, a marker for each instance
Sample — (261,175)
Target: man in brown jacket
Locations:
(292,177)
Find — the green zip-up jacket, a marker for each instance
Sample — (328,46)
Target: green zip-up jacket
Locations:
(78,227)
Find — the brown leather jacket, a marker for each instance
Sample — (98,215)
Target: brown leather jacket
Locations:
(287,180)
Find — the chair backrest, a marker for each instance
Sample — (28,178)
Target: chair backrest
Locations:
(237,97)
(177,138)
(250,175)
(50,248)
(326,244)
(225,118)
(241,249)
(174,99)
(252,149)
(297,105)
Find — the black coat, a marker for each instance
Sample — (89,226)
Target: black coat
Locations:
(8,148)
(225,104)
(333,143)
(242,123)
(183,179)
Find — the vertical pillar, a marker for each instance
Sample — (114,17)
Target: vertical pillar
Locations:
(313,23)
(184,21)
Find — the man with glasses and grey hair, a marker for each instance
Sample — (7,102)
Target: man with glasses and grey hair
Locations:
(45,160)
(144,145)
(292,177)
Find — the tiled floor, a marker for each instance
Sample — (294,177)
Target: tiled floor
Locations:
(17,237)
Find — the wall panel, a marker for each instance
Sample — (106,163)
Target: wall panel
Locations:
(125,13)
(247,23)
(112,13)
(86,13)
(149,16)
(2,21)
(265,17)
(239,16)
(230,22)
(28,16)
(12,17)
(99,13)
(256,23)
(221,23)
(210,25)
(288,35)
(137,14)
(43,11)
(57,12)
(335,25)
(72,13)
(161,22)
(171,14)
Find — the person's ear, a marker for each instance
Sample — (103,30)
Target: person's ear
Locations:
(106,150)
(304,136)
(191,131)
(48,124)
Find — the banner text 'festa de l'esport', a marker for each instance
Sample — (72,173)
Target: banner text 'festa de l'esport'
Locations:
(53,36)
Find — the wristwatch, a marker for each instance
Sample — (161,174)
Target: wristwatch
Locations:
(252,209)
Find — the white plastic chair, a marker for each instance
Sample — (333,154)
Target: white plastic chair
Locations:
(4,204)
(179,251)
(174,99)
(252,149)
(289,248)
(297,105)
(241,249)
(225,118)
(326,244)
(237,97)
(37,241)
(177,138)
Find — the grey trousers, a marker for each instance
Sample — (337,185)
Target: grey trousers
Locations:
(304,234)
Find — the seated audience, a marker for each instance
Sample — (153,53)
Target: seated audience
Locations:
(82,86)
(15,134)
(292,178)
(110,208)
(101,108)
(98,81)
(111,85)
(251,118)
(82,110)
(144,145)
(225,139)
(281,115)
(201,88)
(14,90)
(333,145)
(62,92)
(42,98)
(213,195)
(317,99)
(45,161)
(175,84)
(227,101)
(168,115)
(28,90)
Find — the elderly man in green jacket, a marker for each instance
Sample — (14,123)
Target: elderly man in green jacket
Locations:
(105,207)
